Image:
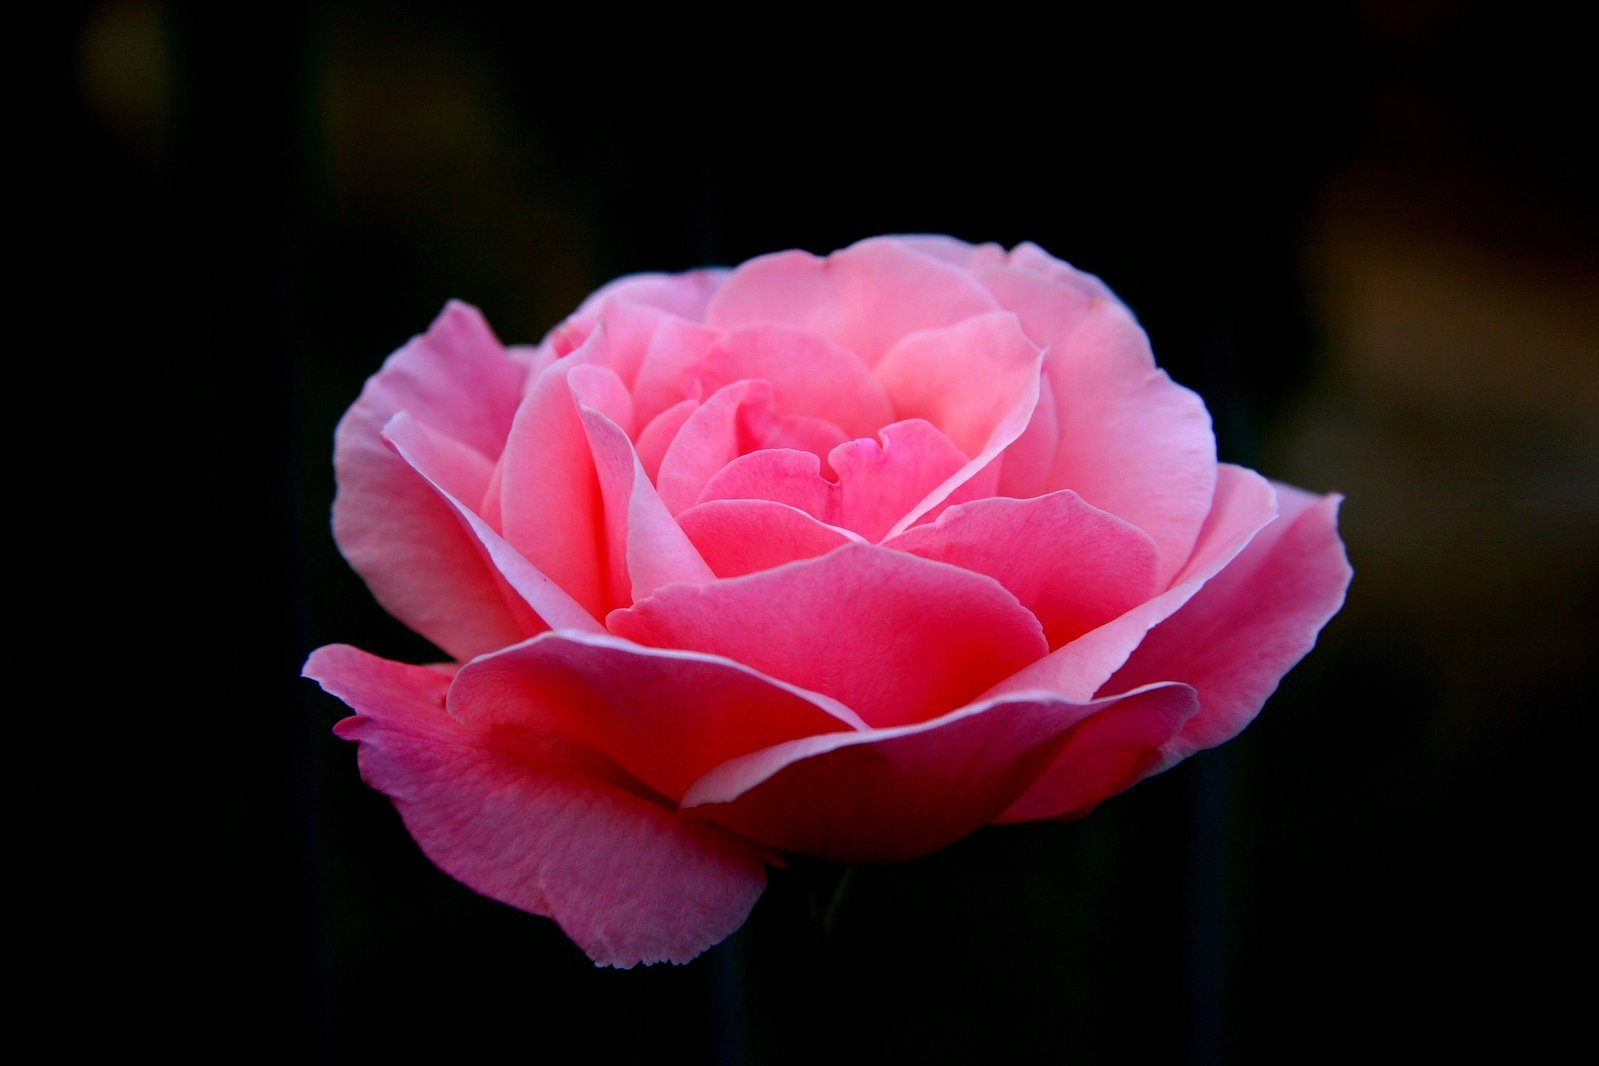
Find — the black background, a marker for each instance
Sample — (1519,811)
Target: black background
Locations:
(1364,232)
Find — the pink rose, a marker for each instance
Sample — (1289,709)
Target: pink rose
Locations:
(847,557)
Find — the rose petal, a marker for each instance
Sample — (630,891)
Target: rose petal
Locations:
(550,502)
(724,427)
(682,295)
(864,298)
(1074,566)
(809,375)
(646,548)
(879,481)
(390,524)
(667,717)
(737,537)
(550,827)
(896,638)
(1240,633)
(534,600)
(1244,504)
(891,794)
(1131,442)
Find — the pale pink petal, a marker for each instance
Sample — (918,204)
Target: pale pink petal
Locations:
(666,717)
(725,426)
(645,548)
(1028,465)
(1131,442)
(958,253)
(809,374)
(544,825)
(737,537)
(1074,566)
(891,794)
(682,295)
(864,298)
(896,638)
(534,601)
(669,373)
(659,433)
(396,532)
(964,379)
(1243,505)
(550,504)
(1237,637)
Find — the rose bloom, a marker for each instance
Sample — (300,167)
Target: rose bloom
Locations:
(843,556)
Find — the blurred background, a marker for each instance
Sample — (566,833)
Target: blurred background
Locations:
(1367,233)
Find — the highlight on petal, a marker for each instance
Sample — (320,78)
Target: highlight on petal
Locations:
(895,638)
(1247,627)
(890,794)
(540,823)
(665,716)
(864,298)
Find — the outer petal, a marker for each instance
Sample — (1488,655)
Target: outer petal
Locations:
(390,524)
(897,638)
(1131,442)
(1074,566)
(891,794)
(665,716)
(864,298)
(1244,504)
(543,825)
(1237,637)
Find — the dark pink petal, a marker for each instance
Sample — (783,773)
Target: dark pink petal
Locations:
(1130,442)
(725,426)
(550,503)
(1237,637)
(1107,754)
(896,638)
(534,601)
(809,374)
(666,717)
(1074,566)
(1028,465)
(542,824)
(659,433)
(737,537)
(645,548)
(890,794)
(1244,504)
(390,524)
(864,298)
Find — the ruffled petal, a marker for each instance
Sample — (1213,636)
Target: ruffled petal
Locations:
(1247,627)
(810,376)
(895,638)
(864,298)
(1096,567)
(667,717)
(546,826)
(890,794)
